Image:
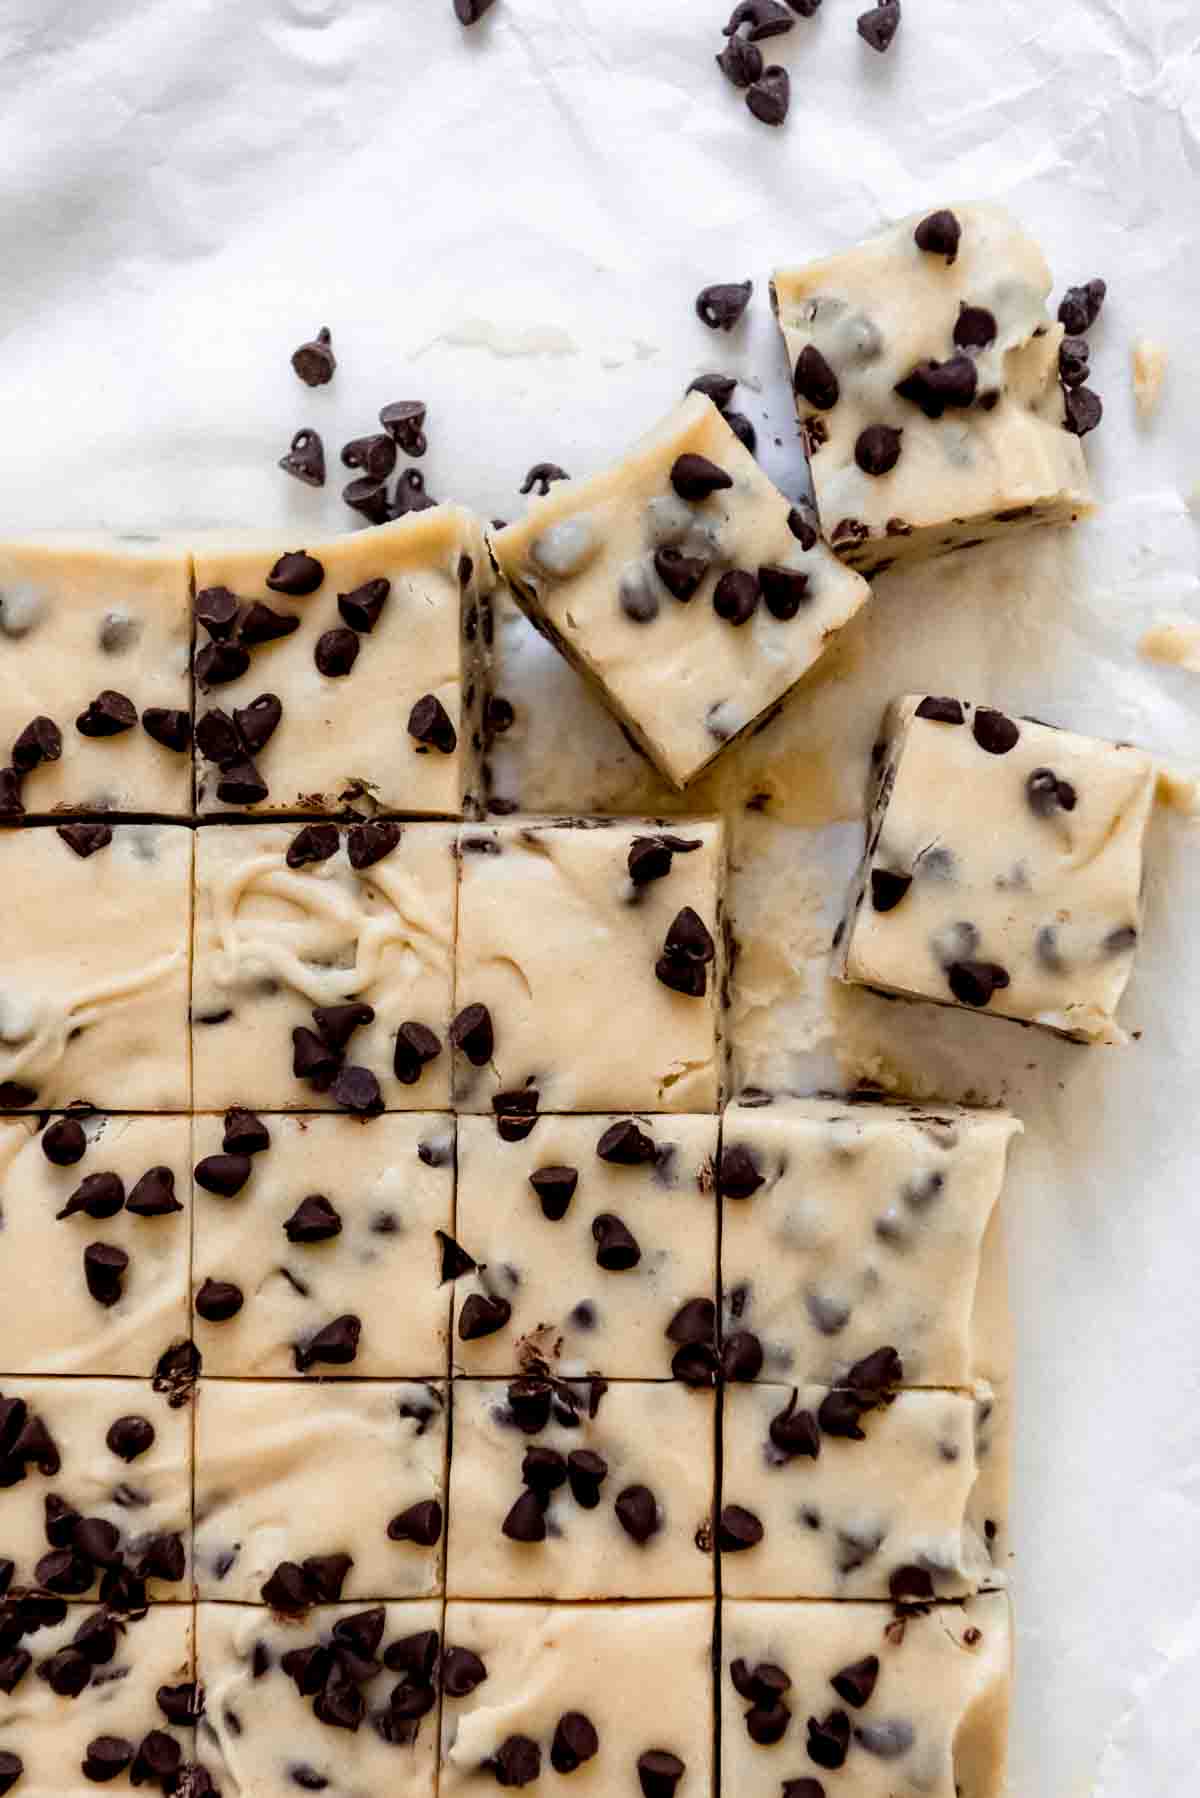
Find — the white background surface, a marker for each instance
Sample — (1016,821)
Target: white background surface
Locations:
(511,224)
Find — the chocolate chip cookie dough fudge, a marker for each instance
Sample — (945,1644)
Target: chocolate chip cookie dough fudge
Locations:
(590,966)
(94,966)
(343,1701)
(683,584)
(846,1225)
(858,1699)
(339,1493)
(95,1225)
(322,966)
(302,1221)
(346,673)
(87,1699)
(95,700)
(95,1490)
(580,1490)
(592,1235)
(926,372)
(1003,868)
(593,1698)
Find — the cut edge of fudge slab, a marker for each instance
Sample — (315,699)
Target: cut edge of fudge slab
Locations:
(694,426)
(1040,479)
(1078,1021)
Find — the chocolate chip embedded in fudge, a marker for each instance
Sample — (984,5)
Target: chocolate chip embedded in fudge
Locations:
(580,1686)
(858,1695)
(926,373)
(1035,917)
(561,923)
(690,591)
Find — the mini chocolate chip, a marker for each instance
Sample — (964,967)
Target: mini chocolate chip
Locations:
(720,307)
(840,1413)
(829,1739)
(40,741)
(60,1521)
(940,711)
(575,1741)
(555,1188)
(296,573)
(219,663)
(994,732)
(306,1777)
(404,421)
(616,1248)
(469,12)
(879,26)
(63,1142)
(171,728)
(62,1570)
(766,18)
(337,1023)
(336,652)
(482,1315)
(854,1684)
(129,1437)
(784,590)
(429,723)
(216,610)
(877,449)
(104,1268)
(518,1760)
(472,1033)
(105,1757)
(414,1655)
(1047,794)
(650,858)
(11,804)
(455,1260)
(181,1704)
(11,1769)
(1120,940)
(462,1672)
(153,1195)
(740,1175)
(975,328)
(938,234)
(934,386)
(767,1724)
(529,1401)
(762,1685)
(541,475)
(720,388)
(375,455)
(97,1540)
(361,607)
(245,1133)
(314,843)
(974,982)
(586,1473)
(695,1364)
(802,523)
(335,1345)
(910,1585)
(1084,410)
(313,1220)
(416,1046)
(410,494)
(741,1356)
(305,458)
(738,1528)
(526,1520)
(218,738)
(659,1772)
(637,1512)
(85,839)
(695,478)
(1079,307)
(108,715)
(814,380)
(736,596)
(888,888)
(875,1374)
(313,1060)
(262,624)
(315,361)
(258,721)
(681,575)
(223,1174)
(770,96)
(1074,358)
(624,1145)
(742,429)
(357,1090)
(543,1470)
(368,495)
(420,1523)
(368,843)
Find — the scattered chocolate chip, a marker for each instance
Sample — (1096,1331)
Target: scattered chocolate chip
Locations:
(336,652)
(313,1060)
(262,624)
(855,1684)
(129,1437)
(472,1033)
(469,12)
(975,982)
(879,26)
(720,307)
(1047,794)
(153,1195)
(526,1520)
(224,1175)
(575,1741)
(404,422)
(429,723)
(337,1023)
(888,888)
(287,1590)
(305,458)
(877,449)
(241,784)
(108,715)
(357,1090)
(840,1413)
(170,727)
(296,573)
(14,1095)
(314,843)
(369,497)
(910,1585)
(541,475)
(1079,307)
(829,1739)
(637,1512)
(368,843)
(624,1145)
(938,234)
(814,380)
(410,495)
(695,478)
(420,1523)
(741,1356)
(555,1188)
(1074,357)
(720,388)
(105,1757)
(770,96)
(361,607)
(63,1142)
(11,804)
(741,427)
(482,1315)
(216,610)
(518,1760)
(376,455)
(11,1769)
(616,1248)
(767,1724)
(219,1300)
(934,386)
(975,328)
(650,858)
(765,18)
(218,738)
(695,1364)
(85,839)
(803,524)
(995,732)
(315,1219)
(40,741)
(416,1046)
(736,596)
(586,1473)
(681,575)
(219,663)
(737,1529)
(784,590)
(1084,410)
(104,1268)
(940,711)
(336,1345)
(659,1772)
(315,361)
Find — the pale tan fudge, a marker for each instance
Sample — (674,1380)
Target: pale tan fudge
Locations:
(333,1220)
(588,1261)
(889,1515)
(847,1226)
(983,447)
(342,1702)
(95,636)
(860,1701)
(370,924)
(374,646)
(631,1519)
(1003,868)
(72,1458)
(94,966)
(693,608)
(597,1698)
(342,1469)
(556,936)
(114,1704)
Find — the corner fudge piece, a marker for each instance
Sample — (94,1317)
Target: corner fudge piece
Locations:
(925,366)
(562,923)
(337,1493)
(846,1225)
(1003,867)
(94,966)
(328,1220)
(683,585)
(350,671)
(618,1694)
(580,1490)
(97,1701)
(858,1699)
(851,1492)
(301,932)
(68,1188)
(343,1701)
(584,1261)
(95,700)
(95,1489)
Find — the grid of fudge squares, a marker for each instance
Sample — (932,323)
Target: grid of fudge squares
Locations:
(321,974)
(94,953)
(1003,867)
(351,671)
(594,1241)
(864,1699)
(683,585)
(320,1244)
(926,371)
(566,927)
(95,696)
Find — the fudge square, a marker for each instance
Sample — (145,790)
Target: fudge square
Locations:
(95,1490)
(683,585)
(618,1696)
(1003,867)
(322,966)
(349,672)
(95,699)
(96,1243)
(580,1490)
(343,1700)
(309,1224)
(564,924)
(856,1491)
(592,1235)
(926,374)
(94,966)
(885,1702)
(847,1225)
(315,1493)
(88,1699)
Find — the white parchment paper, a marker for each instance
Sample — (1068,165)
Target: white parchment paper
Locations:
(511,224)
